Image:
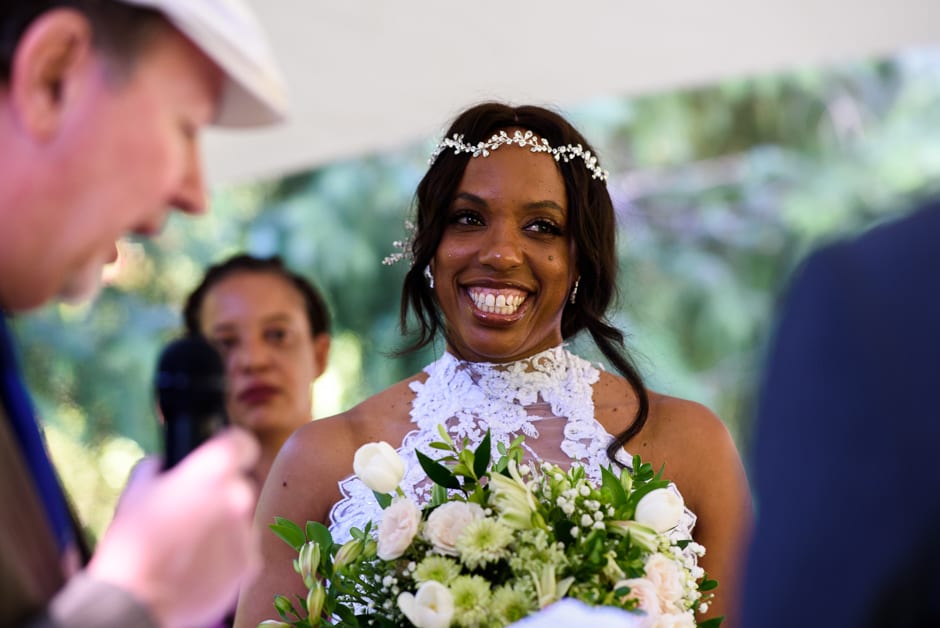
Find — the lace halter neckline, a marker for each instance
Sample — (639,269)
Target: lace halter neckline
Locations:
(547,397)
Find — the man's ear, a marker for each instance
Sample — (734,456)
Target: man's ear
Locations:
(46,68)
(321,353)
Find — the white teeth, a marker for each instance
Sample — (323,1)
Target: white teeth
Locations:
(495,301)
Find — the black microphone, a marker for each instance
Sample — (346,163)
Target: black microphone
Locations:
(190,386)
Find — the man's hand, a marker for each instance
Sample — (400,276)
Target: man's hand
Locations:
(181,541)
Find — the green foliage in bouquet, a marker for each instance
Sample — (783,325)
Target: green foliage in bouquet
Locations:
(498,541)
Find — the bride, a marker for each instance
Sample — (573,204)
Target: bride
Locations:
(513,254)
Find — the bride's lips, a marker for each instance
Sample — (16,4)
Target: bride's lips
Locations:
(257,395)
(497,304)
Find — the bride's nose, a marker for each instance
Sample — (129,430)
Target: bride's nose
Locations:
(502,248)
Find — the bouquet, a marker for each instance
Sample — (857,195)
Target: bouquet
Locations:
(498,541)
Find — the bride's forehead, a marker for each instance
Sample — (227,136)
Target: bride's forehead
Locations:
(513,167)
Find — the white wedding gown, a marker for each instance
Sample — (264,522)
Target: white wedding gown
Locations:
(547,397)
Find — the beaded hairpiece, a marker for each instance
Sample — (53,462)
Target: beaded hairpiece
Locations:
(524,139)
(519,138)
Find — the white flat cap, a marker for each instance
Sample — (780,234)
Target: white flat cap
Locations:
(254,93)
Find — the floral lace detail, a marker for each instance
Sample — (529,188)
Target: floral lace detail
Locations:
(552,389)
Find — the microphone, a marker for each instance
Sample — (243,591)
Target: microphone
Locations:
(190,387)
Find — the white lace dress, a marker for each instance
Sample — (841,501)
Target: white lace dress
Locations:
(547,397)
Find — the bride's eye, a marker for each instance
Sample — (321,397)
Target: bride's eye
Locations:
(466,217)
(545,226)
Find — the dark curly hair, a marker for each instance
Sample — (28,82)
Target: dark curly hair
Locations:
(317,313)
(592,226)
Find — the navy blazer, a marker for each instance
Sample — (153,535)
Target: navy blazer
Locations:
(846,462)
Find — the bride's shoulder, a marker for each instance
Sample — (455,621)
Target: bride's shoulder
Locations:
(382,416)
(690,419)
(689,435)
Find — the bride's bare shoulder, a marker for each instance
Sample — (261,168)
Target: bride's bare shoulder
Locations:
(687,426)
(379,417)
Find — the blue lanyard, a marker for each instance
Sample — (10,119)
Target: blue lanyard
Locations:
(19,410)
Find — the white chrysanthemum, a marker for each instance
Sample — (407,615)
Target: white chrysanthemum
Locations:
(512,603)
(438,568)
(483,541)
(471,595)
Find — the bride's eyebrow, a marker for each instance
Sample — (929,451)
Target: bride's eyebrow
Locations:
(544,204)
(473,198)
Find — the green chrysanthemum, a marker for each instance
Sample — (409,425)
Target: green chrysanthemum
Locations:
(438,568)
(510,604)
(483,541)
(535,547)
(472,599)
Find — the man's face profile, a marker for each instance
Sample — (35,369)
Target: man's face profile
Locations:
(138,151)
(112,149)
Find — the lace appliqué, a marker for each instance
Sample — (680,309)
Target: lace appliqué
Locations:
(551,387)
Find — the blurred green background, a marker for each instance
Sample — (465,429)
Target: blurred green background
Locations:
(720,192)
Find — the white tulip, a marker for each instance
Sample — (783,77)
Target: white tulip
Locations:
(660,509)
(431,607)
(379,466)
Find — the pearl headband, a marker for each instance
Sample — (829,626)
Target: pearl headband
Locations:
(524,139)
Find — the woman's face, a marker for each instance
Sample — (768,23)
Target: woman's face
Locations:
(504,267)
(258,322)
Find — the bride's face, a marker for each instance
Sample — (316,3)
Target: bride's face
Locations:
(504,266)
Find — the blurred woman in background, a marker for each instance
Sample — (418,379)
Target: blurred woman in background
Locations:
(272,329)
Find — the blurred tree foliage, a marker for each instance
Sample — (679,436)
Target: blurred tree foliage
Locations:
(720,191)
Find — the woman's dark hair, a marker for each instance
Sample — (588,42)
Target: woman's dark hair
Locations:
(317,313)
(118,29)
(591,223)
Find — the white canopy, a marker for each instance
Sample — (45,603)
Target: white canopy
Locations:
(371,75)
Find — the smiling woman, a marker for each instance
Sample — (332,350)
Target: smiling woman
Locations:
(513,255)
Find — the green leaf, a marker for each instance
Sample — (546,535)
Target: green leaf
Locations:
(384,499)
(438,473)
(289,532)
(445,436)
(319,534)
(707,585)
(611,484)
(715,622)
(442,446)
(462,468)
(346,616)
(481,457)
(438,495)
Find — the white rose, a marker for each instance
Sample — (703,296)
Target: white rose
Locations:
(398,528)
(431,607)
(447,523)
(660,509)
(644,592)
(668,579)
(379,466)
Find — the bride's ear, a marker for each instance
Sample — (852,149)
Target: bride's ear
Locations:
(46,73)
